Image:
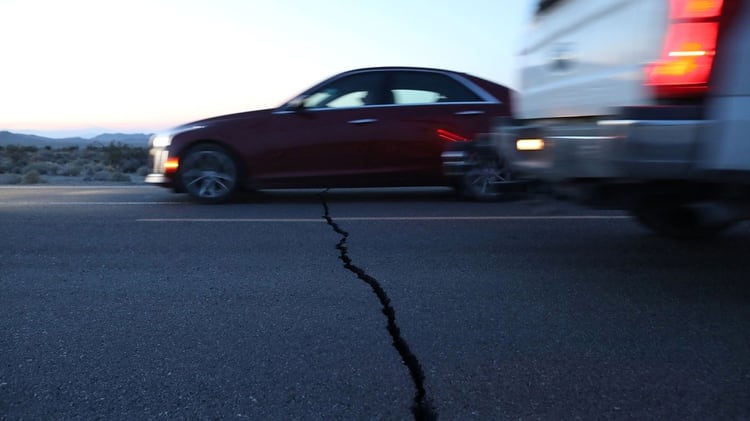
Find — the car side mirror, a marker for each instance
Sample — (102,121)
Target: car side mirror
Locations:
(297,104)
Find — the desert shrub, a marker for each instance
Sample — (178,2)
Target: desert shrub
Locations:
(130,165)
(44,155)
(91,153)
(21,148)
(117,154)
(119,177)
(78,162)
(72,169)
(20,155)
(74,160)
(10,179)
(99,176)
(92,168)
(113,154)
(43,168)
(6,165)
(31,177)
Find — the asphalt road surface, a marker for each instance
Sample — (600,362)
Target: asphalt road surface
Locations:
(135,303)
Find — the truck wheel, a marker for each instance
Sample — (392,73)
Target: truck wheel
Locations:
(676,219)
(209,174)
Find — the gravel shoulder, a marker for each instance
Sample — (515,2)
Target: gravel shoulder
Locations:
(59,180)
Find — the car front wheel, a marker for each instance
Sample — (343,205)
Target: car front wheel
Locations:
(209,174)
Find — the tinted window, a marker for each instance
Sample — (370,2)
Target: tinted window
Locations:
(543,5)
(428,87)
(349,91)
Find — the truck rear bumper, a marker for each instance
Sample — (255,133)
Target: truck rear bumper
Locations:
(604,149)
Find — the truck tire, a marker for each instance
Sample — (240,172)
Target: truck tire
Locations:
(677,219)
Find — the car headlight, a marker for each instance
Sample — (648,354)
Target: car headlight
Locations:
(161,140)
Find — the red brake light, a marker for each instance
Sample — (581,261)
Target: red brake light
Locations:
(689,48)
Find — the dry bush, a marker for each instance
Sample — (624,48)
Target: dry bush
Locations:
(96,162)
(6,179)
(43,168)
(31,177)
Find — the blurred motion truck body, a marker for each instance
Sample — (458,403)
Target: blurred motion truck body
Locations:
(642,105)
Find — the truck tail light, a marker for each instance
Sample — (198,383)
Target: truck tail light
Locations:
(688,50)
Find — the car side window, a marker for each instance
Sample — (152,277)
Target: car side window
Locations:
(414,87)
(355,90)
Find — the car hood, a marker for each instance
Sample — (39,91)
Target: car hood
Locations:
(245,117)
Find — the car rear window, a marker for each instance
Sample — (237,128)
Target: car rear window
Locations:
(428,88)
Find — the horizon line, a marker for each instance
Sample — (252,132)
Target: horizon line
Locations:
(88,133)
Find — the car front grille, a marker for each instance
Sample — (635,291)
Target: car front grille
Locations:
(156,160)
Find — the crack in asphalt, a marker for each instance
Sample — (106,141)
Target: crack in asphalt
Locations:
(422,408)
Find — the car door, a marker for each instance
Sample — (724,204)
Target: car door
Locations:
(431,110)
(329,138)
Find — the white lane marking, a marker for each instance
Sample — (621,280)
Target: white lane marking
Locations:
(30,203)
(394,218)
(55,187)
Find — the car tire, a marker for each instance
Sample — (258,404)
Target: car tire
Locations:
(485,176)
(209,174)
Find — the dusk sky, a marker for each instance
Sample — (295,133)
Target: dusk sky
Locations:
(147,65)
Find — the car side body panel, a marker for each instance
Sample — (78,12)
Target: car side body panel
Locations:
(351,130)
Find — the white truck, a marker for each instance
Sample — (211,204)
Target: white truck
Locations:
(642,105)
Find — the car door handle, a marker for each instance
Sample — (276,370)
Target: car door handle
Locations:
(363,121)
(470,112)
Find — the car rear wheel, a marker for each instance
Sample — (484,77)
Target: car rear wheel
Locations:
(486,176)
(209,174)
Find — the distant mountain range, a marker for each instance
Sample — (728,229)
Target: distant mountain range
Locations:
(132,139)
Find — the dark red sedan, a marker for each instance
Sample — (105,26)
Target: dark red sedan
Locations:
(375,127)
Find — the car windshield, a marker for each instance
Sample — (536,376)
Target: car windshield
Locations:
(348,91)
(334,98)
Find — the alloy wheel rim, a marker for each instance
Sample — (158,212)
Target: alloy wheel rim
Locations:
(209,174)
(486,176)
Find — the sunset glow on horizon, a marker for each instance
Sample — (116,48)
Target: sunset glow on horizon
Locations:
(144,66)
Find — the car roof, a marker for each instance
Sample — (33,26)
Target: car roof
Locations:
(424,69)
(382,68)
(497,91)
